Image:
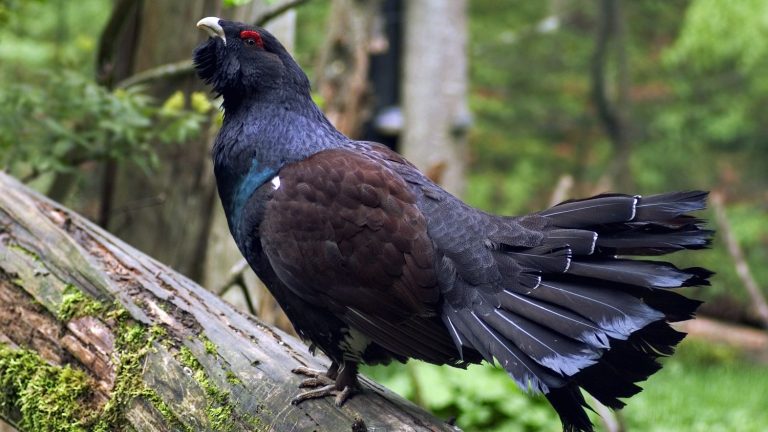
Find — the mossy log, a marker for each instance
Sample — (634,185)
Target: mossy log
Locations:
(96,336)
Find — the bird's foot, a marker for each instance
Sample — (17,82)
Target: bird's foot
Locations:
(326,383)
(341,396)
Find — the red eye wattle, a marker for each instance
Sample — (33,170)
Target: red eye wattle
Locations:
(251,37)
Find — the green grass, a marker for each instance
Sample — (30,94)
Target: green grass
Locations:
(702,388)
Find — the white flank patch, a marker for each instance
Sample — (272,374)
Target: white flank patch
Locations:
(276,182)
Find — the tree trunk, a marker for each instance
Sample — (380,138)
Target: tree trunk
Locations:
(98,336)
(614,116)
(435,90)
(342,72)
(178,203)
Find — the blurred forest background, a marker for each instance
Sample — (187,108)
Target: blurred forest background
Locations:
(514,105)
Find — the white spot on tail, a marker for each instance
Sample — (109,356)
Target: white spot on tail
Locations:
(276,182)
(634,206)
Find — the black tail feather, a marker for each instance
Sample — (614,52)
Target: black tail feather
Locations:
(565,356)
(570,314)
(570,404)
(614,312)
(628,362)
(652,239)
(556,318)
(581,242)
(603,209)
(527,373)
(670,205)
(647,274)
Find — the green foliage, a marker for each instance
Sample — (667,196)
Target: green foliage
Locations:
(69,120)
(54,117)
(312,20)
(42,35)
(531,103)
(704,387)
(708,39)
(721,88)
(482,398)
(231,3)
(7,9)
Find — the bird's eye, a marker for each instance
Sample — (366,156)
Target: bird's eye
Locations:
(252,38)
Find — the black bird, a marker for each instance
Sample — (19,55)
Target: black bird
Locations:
(373,262)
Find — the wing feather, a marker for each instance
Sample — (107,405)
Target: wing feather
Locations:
(343,231)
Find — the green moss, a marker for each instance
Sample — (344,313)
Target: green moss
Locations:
(188,359)
(54,398)
(75,304)
(153,398)
(233,379)
(49,398)
(210,347)
(157,332)
(132,344)
(255,422)
(219,409)
(19,248)
(220,417)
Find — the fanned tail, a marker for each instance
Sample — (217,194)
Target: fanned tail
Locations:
(574,312)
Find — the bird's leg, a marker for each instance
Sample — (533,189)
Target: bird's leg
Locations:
(340,382)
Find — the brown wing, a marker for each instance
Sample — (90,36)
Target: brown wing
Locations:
(343,232)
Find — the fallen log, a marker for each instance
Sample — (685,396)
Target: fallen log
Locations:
(95,335)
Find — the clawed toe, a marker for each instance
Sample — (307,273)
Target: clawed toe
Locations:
(341,396)
(317,378)
(319,381)
(312,373)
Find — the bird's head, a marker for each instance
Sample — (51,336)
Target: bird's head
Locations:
(243,60)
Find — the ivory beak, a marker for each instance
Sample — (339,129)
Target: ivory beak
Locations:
(212,27)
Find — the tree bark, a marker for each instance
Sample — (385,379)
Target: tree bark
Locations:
(435,90)
(157,351)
